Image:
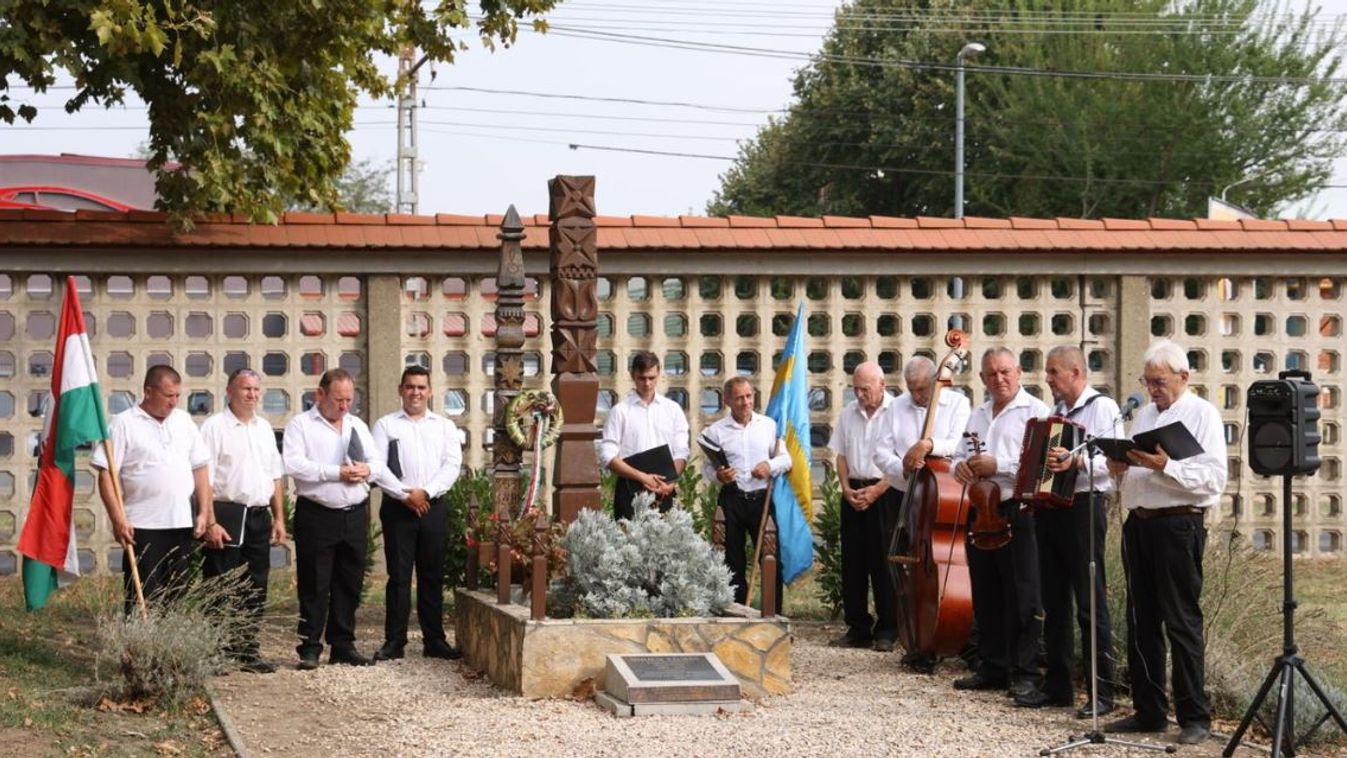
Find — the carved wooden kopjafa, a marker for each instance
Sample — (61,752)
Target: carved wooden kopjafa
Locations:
(575,382)
(505,454)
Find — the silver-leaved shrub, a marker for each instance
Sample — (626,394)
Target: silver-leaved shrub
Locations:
(652,565)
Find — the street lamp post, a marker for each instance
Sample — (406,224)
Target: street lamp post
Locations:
(968,52)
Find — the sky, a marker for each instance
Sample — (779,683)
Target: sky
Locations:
(488,139)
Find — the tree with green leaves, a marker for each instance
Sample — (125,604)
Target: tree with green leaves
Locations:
(252,100)
(1092,108)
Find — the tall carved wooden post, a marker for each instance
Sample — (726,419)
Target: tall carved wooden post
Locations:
(575,305)
(505,454)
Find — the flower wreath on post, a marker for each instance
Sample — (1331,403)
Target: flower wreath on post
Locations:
(533,420)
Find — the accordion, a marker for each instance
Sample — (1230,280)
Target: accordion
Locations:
(1037,486)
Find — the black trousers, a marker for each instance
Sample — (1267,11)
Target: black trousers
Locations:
(865,546)
(164,560)
(625,491)
(255,555)
(414,542)
(329,567)
(743,516)
(1163,558)
(1064,565)
(1006,601)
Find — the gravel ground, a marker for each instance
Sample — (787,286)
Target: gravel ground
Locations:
(846,702)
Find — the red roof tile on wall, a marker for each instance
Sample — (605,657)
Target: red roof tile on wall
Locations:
(145,229)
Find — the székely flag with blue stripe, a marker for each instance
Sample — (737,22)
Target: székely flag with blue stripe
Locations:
(792,496)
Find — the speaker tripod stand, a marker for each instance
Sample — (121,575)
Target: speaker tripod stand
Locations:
(1287,665)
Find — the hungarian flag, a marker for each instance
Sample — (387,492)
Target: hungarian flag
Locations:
(75,417)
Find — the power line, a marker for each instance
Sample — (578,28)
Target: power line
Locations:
(761,52)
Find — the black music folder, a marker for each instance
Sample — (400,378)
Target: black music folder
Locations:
(355,449)
(1177,441)
(231,516)
(394,461)
(657,460)
(712,452)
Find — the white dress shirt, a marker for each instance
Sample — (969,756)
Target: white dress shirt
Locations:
(856,436)
(634,427)
(155,461)
(244,461)
(1002,436)
(1198,480)
(1100,418)
(315,451)
(746,447)
(904,425)
(430,453)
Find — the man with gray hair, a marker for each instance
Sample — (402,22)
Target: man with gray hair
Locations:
(1066,544)
(902,450)
(1163,541)
(246,478)
(868,510)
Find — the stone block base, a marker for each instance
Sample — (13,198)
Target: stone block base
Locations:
(552,657)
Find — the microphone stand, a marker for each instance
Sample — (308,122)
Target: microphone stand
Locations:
(1096,736)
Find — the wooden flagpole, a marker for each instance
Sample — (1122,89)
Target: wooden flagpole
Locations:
(757,544)
(121,506)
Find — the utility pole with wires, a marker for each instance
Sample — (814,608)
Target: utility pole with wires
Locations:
(407,161)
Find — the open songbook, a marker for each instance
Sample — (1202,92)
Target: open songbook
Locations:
(1174,437)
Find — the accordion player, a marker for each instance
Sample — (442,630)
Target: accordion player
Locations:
(1037,486)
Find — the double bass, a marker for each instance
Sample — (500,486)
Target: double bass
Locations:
(926,554)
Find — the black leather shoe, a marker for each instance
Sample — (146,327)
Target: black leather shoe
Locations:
(308,661)
(445,651)
(979,682)
(1087,711)
(1193,734)
(1039,699)
(1021,689)
(882,645)
(351,657)
(388,653)
(850,640)
(1134,724)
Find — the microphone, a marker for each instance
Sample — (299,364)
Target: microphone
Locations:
(1134,401)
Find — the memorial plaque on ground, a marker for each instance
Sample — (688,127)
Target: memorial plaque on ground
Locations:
(648,683)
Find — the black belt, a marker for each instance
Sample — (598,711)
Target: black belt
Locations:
(862,482)
(1146,514)
(748,497)
(245,505)
(344,509)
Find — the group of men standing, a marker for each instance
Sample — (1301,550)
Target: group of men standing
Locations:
(1038,586)
(223,484)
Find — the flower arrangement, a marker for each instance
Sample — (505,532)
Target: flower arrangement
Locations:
(484,536)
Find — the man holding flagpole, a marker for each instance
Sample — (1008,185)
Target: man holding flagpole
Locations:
(157,463)
(74,417)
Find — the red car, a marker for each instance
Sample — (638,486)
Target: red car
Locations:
(41,197)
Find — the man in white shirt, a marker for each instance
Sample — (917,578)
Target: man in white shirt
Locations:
(1006,603)
(1064,543)
(424,455)
(332,458)
(755,454)
(246,472)
(161,464)
(1163,542)
(901,449)
(643,420)
(869,506)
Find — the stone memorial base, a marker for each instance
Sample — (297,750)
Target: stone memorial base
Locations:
(555,657)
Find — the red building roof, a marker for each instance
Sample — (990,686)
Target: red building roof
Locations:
(145,229)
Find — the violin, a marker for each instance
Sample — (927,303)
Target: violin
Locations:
(989,530)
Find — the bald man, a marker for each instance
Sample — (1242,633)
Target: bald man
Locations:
(869,505)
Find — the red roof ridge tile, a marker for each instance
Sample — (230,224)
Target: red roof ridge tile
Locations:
(653,221)
(1308,225)
(846,222)
(892,222)
(407,219)
(981,222)
(307,217)
(703,222)
(1172,224)
(1125,224)
(360,219)
(613,221)
(1216,224)
(1262,225)
(1079,223)
(757,222)
(141,217)
(1025,222)
(938,222)
(799,222)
